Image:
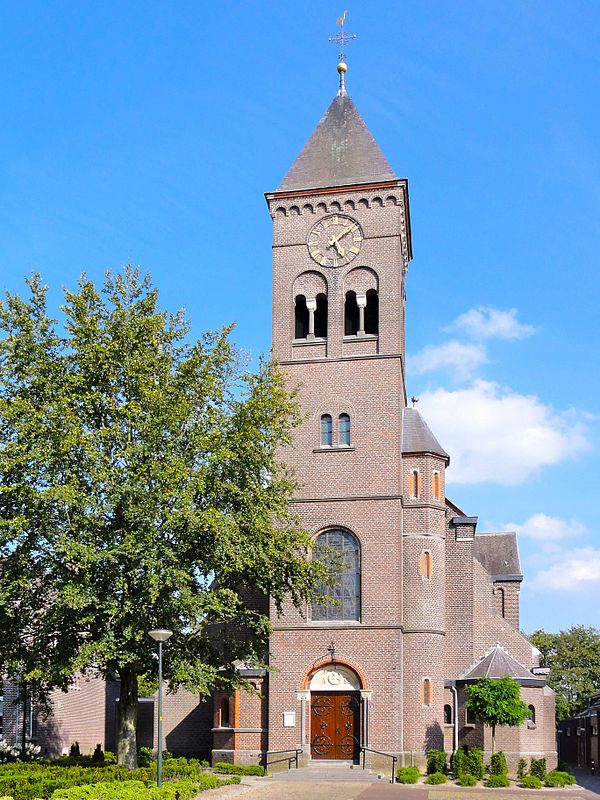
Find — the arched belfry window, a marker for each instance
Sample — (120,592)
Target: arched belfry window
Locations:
(300,317)
(351,315)
(340,550)
(321,316)
(326,430)
(344,430)
(372,312)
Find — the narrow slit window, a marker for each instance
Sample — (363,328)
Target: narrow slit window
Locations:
(300,317)
(372,312)
(224,713)
(414,483)
(436,485)
(425,564)
(426,691)
(531,713)
(447,714)
(344,430)
(321,316)
(351,315)
(326,430)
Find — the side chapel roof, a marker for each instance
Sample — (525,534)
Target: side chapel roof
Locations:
(498,554)
(340,152)
(417,437)
(499,664)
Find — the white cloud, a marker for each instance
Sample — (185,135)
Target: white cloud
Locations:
(495,435)
(544,528)
(577,570)
(461,359)
(485,322)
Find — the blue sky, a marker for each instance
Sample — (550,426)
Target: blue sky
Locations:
(148,132)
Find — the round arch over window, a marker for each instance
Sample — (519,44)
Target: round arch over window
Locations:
(340,550)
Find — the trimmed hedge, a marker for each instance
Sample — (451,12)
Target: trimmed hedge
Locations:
(531,782)
(498,765)
(407,775)
(556,778)
(436,762)
(537,768)
(467,780)
(225,768)
(436,777)
(474,763)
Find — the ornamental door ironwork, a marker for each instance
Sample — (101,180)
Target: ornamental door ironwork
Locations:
(335,725)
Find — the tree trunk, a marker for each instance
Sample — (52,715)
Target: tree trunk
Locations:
(127,719)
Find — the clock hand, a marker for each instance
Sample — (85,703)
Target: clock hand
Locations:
(334,239)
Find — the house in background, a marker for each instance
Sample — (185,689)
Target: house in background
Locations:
(578,740)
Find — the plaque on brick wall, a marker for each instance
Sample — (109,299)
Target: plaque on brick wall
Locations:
(289,719)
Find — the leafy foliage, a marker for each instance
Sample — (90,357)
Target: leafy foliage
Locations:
(521,768)
(474,763)
(573,657)
(436,761)
(537,767)
(238,769)
(436,777)
(407,775)
(497,701)
(467,780)
(140,489)
(558,778)
(497,781)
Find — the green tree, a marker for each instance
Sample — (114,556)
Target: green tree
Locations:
(573,657)
(139,485)
(497,701)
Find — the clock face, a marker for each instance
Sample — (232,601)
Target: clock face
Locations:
(335,240)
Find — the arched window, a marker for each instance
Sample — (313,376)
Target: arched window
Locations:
(436,485)
(326,430)
(301,317)
(499,592)
(426,691)
(470,718)
(340,550)
(223,718)
(531,713)
(372,312)
(425,564)
(351,315)
(321,316)
(447,714)
(344,430)
(414,484)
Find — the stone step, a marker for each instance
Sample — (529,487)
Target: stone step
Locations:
(328,771)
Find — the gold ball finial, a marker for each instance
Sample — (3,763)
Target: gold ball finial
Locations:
(342,67)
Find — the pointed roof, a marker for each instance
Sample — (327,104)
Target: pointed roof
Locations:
(417,437)
(340,152)
(498,554)
(499,664)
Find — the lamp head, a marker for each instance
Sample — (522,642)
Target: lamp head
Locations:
(160,635)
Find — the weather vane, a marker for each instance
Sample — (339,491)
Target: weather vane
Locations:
(342,38)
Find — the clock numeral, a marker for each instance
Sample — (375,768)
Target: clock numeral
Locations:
(316,253)
(324,262)
(335,262)
(357,239)
(336,220)
(354,250)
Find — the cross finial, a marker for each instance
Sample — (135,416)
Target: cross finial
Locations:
(414,400)
(342,38)
(331,650)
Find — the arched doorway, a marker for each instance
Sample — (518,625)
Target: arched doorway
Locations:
(335,713)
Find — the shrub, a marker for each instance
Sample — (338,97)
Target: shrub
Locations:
(204,764)
(467,780)
(408,775)
(436,762)
(531,782)
(436,777)
(474,763)
(498,765)
(537,768)
(238,769)
(521,768)
(497,781)
(144,755)
(75,751)
(559,778)
(457,762)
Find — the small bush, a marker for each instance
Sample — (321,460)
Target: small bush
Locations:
(436,762)
(436,777)
(457,762)
(474,763)
(531,782)
(204,764)
(498,765)
(537,768)
(521,768)
(238,769)
(407,775)
(559,778)
(74,751)
(467,780)
(497,781)
(144,755)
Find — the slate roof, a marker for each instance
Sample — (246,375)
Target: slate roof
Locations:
(498,664)
(340,152)
(498,553)
(417,437)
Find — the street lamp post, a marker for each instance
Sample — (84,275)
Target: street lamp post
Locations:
(160,635)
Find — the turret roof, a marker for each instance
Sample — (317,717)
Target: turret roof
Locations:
(340,152)
(417,437)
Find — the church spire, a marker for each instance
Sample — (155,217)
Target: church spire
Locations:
(342,38)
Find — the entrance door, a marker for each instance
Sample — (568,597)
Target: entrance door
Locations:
(334,725)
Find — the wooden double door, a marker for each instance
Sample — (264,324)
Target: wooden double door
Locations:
(335,725)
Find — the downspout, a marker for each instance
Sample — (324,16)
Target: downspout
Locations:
(455,718)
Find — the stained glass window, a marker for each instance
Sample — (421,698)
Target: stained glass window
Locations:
(341,550)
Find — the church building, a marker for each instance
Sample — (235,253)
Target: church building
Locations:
(425,603)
